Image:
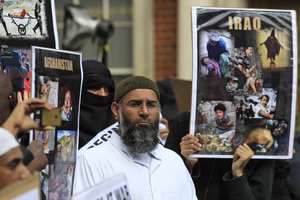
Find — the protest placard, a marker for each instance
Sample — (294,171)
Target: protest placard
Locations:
(57,79)
(244,81)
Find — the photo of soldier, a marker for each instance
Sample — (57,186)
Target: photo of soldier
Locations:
(2,18)
(37,13)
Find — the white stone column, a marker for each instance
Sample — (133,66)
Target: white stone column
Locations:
(143,45)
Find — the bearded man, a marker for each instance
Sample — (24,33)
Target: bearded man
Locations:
(152,171)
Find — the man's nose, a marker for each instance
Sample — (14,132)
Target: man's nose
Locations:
(24,172)
(144,110)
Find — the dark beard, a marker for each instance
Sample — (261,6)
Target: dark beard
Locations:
(139,138)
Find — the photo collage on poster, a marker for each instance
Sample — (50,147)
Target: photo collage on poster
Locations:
(244,81)
(57,79)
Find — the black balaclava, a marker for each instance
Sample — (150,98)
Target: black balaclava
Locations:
(95,111)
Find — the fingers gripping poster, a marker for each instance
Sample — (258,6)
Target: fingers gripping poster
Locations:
(244,81)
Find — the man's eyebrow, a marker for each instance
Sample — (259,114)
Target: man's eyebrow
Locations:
(140,101)
(135,100)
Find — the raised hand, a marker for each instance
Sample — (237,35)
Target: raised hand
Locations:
(241,157)
(189,144)
(20,119)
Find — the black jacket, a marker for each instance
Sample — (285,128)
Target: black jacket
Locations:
(212,177)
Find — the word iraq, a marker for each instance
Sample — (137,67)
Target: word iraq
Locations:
(245,23)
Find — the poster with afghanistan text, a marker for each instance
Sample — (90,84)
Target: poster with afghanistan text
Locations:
(57,79)
(244,81)
(24,23)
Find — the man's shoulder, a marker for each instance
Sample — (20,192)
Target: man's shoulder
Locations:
(169,154)
(102,137)
(97,152)
(222,42)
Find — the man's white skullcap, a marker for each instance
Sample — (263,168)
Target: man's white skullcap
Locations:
(7,141)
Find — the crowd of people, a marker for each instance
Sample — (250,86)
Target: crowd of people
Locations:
(154,170)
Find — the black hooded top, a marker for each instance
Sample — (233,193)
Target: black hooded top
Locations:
(95,111)
(273,46)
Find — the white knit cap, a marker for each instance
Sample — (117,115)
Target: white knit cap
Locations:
(214,37)
(7,141)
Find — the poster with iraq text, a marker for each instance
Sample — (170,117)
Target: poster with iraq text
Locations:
(57,79)
(244,81)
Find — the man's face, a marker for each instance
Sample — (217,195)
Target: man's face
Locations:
(138,116)
(249,51)
(205,60)
(264,101)
(68,99)
(43,89)
(257,82)
(219,114)
(12,168)
(213,43)
(45,136)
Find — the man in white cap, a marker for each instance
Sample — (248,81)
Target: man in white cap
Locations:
(11,158)
(216,46)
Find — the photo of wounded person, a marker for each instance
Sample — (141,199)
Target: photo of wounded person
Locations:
(267,136)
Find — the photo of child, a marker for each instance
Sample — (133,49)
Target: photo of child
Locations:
(263,109)
(216,132)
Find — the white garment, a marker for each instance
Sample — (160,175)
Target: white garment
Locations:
(7,141)
(159,175)
(53,93)
(259,108)
(66,116)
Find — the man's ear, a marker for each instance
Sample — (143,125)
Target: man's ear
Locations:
(115,109)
